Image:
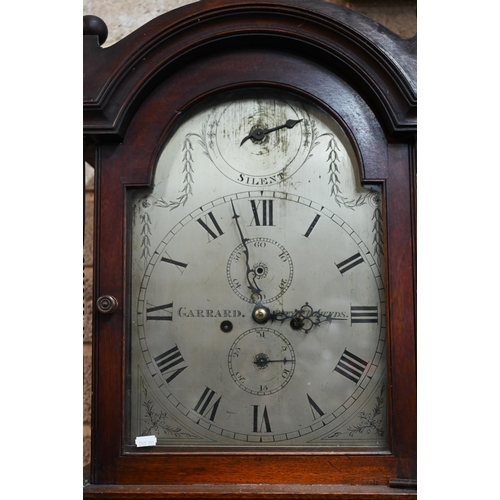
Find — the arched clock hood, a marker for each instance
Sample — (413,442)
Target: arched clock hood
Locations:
(379,64)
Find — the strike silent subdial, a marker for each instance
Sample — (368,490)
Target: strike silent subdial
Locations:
(270,268)
(261,361)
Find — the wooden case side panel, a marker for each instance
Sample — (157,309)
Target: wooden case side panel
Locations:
(108,338)
(400,243)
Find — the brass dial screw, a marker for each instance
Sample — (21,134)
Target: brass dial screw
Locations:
(260,314)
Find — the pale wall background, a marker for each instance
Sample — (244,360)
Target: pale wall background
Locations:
(122,17)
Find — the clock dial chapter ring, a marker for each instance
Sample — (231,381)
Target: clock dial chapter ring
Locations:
(183,325)
(261,361)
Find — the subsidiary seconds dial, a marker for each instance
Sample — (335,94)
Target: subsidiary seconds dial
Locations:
(271,269)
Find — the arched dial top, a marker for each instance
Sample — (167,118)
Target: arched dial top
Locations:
(258,291)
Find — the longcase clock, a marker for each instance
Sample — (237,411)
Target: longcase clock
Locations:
(254,324)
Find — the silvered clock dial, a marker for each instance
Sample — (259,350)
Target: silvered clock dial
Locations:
(258,301)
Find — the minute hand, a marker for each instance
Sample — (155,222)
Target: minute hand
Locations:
(259,133)
(252,286)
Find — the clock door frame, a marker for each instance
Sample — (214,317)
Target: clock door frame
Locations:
(134,93)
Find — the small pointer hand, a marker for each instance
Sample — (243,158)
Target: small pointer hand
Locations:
(259,133)
(262,361)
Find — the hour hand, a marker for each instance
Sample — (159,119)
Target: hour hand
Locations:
(259,133)
(304,318)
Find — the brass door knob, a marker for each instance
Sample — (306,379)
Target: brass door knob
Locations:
(107,304)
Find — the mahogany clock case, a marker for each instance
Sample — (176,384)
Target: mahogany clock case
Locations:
(135,94)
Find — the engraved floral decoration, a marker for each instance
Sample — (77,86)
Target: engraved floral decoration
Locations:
(156,422)
(371,196)
(378,230)
(188,168)
(371,421)
(205,139)
(147,203)
(368,422)
(333,160)
(145,206)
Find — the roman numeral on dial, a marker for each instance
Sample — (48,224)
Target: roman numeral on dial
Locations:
(165,309)
(312,226)
(349,263)
(262,213)
(203,407)
(174,262)
(168,363)
(315,409)
(364,314)
(350,366)
(264,420)
(211,226)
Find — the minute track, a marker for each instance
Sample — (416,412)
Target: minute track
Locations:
(270,374)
